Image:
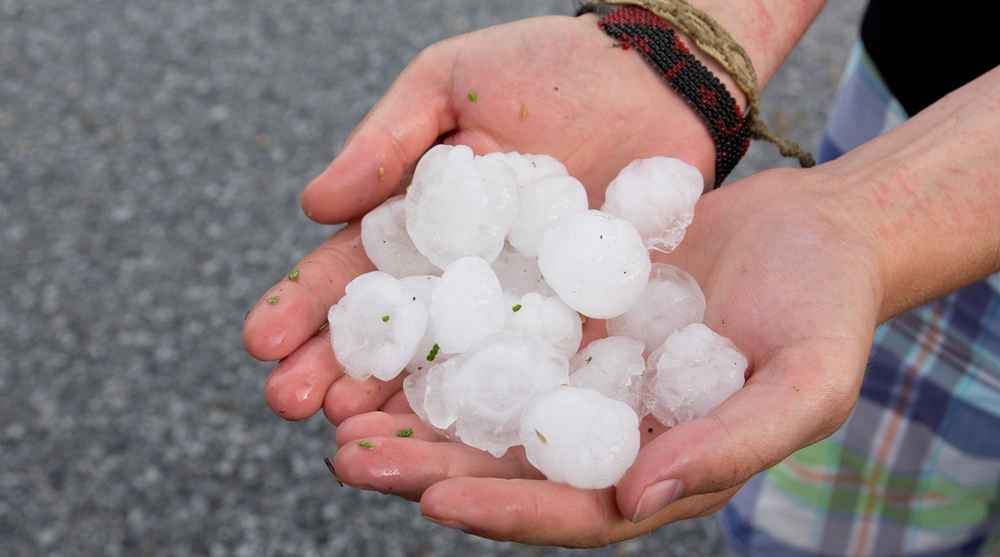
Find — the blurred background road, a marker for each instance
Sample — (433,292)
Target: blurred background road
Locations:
(151,154)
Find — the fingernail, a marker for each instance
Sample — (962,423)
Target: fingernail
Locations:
(447,523)
(656,497)
(329,464)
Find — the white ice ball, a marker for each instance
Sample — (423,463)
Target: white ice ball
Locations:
(420,288)
(612,366)
(493,384)
(530,169)
(388,245)
(541,205)
(460,205)
(658,196)
(518,273)
(376,327)
(595,262)
(672,300)
(580,437)
(697,369)
(425,391)
(547,318)
(467,305)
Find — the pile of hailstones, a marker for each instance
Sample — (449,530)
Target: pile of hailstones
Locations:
(485,268)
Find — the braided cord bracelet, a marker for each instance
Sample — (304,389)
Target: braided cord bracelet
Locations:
(636,28)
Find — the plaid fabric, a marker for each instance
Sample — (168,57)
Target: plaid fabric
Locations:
(916,468)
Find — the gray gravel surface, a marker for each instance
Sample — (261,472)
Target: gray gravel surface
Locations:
(151,154)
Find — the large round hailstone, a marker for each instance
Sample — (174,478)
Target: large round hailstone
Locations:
(671,301)
(696,370)
(580,437)
(541,205)
(467,305)
(612,366)
(518,273)
(530,169)
(494,383)
(460,205)
(658,196)
(547,318)
(420,288)
(387,244)
(595,262)
(376,327)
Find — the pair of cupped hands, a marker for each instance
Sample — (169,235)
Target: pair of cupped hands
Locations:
(787,276)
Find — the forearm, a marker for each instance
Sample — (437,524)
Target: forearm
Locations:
(766,29)
(928,196)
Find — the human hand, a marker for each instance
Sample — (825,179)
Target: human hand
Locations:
(552,85)
(787,276)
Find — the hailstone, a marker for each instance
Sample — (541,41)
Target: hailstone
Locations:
(420,288)
(425,392)
(612,366)
(493,383)
(580,437)
(541,205)
(467,305)
(530,169)
(595,262)
(672,300)
(460,205)
(376,327)
(696,370)
(388,245)
(547,318)
(518,273)
(658,196)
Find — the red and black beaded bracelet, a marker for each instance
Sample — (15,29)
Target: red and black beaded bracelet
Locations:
(652,37)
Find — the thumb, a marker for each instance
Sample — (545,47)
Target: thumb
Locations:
(392,136)
(798,397)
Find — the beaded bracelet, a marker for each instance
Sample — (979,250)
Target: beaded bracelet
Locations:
(652,37)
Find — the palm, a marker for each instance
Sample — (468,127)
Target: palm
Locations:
(570,102)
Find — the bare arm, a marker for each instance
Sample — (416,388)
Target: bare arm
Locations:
(928,194)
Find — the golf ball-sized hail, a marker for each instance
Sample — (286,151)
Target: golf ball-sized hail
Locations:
(612,366)
(518,273)
(492,384)
(595,262)
(388,245)
(460,205)
(467,305)
(541,205)
(530,169)
(580,437)
(672,300)
(696,370)
(547,318)
(376,327)
(658,196)
(420,288)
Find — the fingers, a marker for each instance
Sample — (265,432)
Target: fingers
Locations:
(293,310)
(382,424)
(388,141)
(797,398)
(397,404)
(407,467)
(544,513)
(296,388)
(349,397)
